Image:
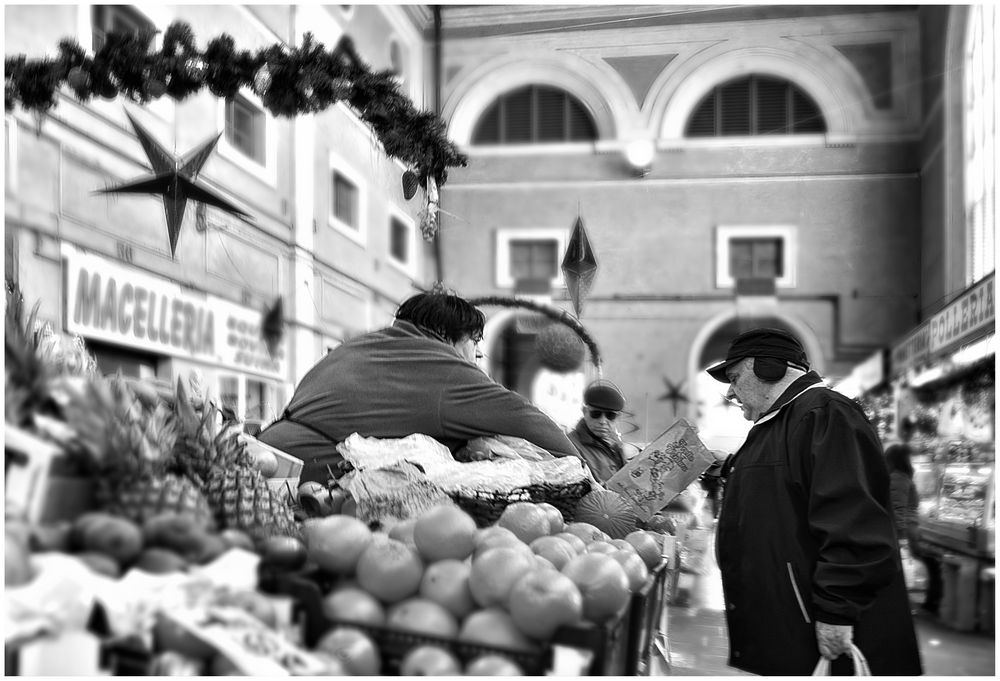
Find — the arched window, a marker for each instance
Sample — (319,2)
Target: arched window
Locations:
(980,129)
(755,105)
(535,114)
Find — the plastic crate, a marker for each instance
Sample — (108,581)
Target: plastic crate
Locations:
(647,607)
(307,589)
(609,642)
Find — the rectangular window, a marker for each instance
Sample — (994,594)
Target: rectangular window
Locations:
(107,18)
(534,259)
(245,128)
(399,240)
(345,200)
(755,258)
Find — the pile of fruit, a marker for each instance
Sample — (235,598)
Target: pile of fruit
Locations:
(509,586)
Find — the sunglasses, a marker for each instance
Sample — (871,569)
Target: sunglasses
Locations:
(596,414)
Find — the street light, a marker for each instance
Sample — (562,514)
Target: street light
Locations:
(639,154)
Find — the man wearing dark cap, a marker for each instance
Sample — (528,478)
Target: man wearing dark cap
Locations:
(595,435)
(806,544)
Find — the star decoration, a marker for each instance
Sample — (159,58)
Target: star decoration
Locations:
(673,394)
(176,179)
(579,266)
(272,326)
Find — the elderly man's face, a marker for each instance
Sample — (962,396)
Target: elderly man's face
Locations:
(747,391)
(599,421)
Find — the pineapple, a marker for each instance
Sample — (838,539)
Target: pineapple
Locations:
(131,451)
(26,375)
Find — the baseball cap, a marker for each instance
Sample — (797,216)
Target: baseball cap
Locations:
(604,395)
(764,342)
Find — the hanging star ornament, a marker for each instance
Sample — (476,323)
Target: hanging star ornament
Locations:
(673,394)
(579,266)
(272,326)
(176,179)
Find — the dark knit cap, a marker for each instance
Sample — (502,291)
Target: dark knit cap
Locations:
(604,395)
(773,343)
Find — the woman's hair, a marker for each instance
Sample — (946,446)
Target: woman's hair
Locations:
(897,458)
(449,316)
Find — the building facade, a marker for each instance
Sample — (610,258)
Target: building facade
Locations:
(328,230)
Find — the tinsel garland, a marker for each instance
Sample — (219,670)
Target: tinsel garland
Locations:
(304,79)
(553,313)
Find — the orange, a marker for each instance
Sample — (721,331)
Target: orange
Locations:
(493,665)
(390,570)
(544,600)
(556,550)
(353,649)
(445,532)
(494,536)
(555,516)
(635,569)
(446,582)
(336,542)
(600,547)
(494,573)
(647,547)
(525,520)
(545,563)
(575,543)
(587,532)
(353,604)
(403,531)
(422,616)
(624,546)
(428,660)
(602,582)
(493,627)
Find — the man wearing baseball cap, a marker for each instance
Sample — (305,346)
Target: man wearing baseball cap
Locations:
(595,435)
(806,544)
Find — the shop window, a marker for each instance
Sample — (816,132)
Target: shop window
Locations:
(246,128)
(980,131)
(112,359)
(755,105)
(107,18)
(756,252)
(535,114)
(530,255)
(229,394)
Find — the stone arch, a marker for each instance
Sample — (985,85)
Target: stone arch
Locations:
(834,86)
(601,91)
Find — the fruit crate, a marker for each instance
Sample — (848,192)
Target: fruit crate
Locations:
(307,588)
(647,608)
(609,642)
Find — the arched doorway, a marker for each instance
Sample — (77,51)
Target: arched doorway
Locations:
(720,424)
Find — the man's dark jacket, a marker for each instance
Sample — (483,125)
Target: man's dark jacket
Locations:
(805,533)
(395,382)
(603,459)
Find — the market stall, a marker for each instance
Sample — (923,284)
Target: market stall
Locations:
(943,381)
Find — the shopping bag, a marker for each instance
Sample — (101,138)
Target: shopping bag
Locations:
(860,664)
(914,571)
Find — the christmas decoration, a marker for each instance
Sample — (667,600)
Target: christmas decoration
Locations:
(428,216)
(289,80)
(410,184)
(674,394)
(559,348)
(176,179)
(553,313)
(272,326)
(579,266)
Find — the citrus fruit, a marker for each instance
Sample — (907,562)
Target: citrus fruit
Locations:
(286,553)
(493,627)
(101,563)
(237,539)
(353,649)
(587,532)
(544,600)
(160,561)
(445,532)
(446,582)
(493,665)
(428,660)
(403,531)
(353,604)
(525,520)
(544,563)
(602,582)
(494,572)
(624,546)
(647,547)
(575,543)
(116,537)
(556,550)
(555,516)
(600,547)
(336,542)
(390,570)
(494,536)
(635,569)
(422,616)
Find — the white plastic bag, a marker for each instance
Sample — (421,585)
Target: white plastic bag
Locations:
(860,664)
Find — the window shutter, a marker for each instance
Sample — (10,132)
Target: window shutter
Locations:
(806,115)
(755,105)
(735,106)
(702,123)
(488,127)
(551,113)
(772,107)
(534,114)
(517,116)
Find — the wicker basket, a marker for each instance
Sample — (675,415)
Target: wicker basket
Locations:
(486,507)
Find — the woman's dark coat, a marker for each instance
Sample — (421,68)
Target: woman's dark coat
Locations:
(805,533)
